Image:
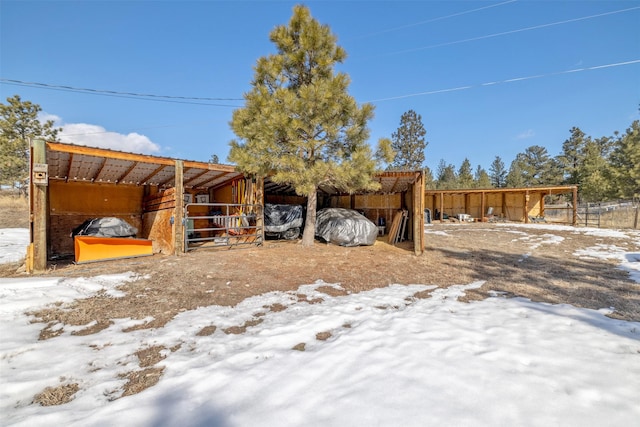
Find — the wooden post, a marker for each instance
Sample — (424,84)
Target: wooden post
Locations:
(418,215)
(179,209)
(542,196)
(482,206)
(504,206)
(441,206)
(526,207)
(575,206)
(40,208)
(635,220)
(260,201)
(467,197)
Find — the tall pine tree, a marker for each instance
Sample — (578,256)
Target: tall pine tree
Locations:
(625,163)
(481,178)
(299,125)
(18,124)
(465,174)
(446,178)
(408,143)
(572,156)
(498,173)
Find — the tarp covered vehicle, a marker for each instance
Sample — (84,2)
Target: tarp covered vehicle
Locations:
(282,221)
(345,227)
(105,227)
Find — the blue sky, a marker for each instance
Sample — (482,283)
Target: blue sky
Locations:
(453,62)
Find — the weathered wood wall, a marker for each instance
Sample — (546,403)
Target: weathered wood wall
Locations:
(512,206)
(374,206)
(158,221)
(72,203)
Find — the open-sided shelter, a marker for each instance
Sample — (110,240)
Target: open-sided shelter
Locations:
(174,203)
(401,195)
(72,183)
(509,204)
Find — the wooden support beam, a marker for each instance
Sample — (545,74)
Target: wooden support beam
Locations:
(100,169)
(122,177)
(393,186)
(39,210)
(526,207)
(101,152)
(152,174)
(260,202)
(504,206)
(210,181)
(196,177)
(418,216)
(175,174)
(179,209)
(69,163)
(575,206)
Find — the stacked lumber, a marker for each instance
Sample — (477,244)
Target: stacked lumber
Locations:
(396,231)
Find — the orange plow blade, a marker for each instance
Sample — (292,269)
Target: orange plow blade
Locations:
(91,248)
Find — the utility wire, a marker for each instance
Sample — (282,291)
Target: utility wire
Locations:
(194,100)
(517,79)
(440,18)
(504,33)
(130,95)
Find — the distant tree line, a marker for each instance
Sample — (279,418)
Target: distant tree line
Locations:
(604,168)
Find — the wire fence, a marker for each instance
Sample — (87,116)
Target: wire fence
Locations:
(619,214)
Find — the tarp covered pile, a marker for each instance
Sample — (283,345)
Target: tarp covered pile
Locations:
(345,227)
(105,227)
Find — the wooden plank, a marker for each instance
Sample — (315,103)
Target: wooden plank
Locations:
(160,206)
(179,235)
(39,211)
(159,198)
(418,215)
(101,152)
(400,235)
(395,227)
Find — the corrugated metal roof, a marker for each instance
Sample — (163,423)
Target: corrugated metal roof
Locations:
(71,162)
(390,182)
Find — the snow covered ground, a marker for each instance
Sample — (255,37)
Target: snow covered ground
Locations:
(391,359)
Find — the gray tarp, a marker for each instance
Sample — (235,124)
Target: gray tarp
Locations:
(345,227)
(105,227)
(280,218)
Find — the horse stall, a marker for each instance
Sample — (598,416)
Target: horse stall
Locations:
(397,207)
(496,204)
(72,185)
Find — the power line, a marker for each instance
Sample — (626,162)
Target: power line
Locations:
(440,18)
(504,33)
(517,79)
(117,94)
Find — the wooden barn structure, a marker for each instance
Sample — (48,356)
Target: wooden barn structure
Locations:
(509,204)
(71,184)
(401,195)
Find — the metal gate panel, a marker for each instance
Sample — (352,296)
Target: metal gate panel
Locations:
(222,225)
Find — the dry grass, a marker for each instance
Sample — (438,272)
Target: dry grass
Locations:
(138,381)
(59,395)
(514,262)
(14,210)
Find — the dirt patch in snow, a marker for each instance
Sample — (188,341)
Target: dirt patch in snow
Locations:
(530,262)
(534,263)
